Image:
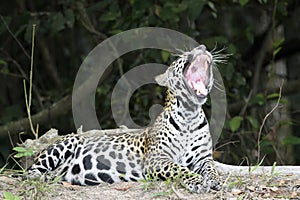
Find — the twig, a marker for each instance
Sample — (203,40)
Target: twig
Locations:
(86,21)
(264,121)
(176,193)
(15,161)
(31,64)
(230,142)
(243,110)
(11,74)
(15,38)
(28,99)
(10,139)
(23,75)
(224,186)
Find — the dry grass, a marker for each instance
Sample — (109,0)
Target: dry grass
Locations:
(246,187)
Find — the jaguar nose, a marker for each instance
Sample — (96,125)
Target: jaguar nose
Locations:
(202,47)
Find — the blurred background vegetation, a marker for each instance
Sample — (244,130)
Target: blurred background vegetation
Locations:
(262,36)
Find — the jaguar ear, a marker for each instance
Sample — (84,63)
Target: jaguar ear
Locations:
(162,79)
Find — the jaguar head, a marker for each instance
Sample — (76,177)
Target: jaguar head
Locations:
(190,75)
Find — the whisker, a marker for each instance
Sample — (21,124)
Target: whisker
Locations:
(215,51)
(219,84)
(219,87)
(215,48)
(221,58)
(221,55)
(220,61)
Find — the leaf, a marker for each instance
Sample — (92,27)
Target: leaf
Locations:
(266,147)
(3,62)
(258,99)
(252,121)
(276,51)
(291,140)
(243,2)
(22,152)
(263,1)
(250,33)
(166,13)
(112,13)
(178,8)
(278,43)
(273,96)
(277,46)
(19,149)
(165,55)
(212,6)
(194,8)
(115,31)
(232,49)
(235,123)
(282,8)
(239,79)
(10,196)
(99,6)
(273,168)
(131,2)
(57,22)
(70,18)
(110,16)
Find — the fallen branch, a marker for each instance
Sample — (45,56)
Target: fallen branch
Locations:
(259,170)
(54,111)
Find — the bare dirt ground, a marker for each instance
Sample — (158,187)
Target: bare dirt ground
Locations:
(247,187)
(271,185)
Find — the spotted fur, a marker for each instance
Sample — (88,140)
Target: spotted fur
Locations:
(177,146)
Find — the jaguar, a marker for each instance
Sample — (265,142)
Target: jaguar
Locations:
(178,146)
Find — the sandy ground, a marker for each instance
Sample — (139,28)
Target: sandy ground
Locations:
(246,187)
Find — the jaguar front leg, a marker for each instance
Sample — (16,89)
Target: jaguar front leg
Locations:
(207,169)
(164,168)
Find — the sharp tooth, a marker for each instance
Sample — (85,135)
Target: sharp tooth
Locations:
(190,83)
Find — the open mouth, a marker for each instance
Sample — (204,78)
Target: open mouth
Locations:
(197,75)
